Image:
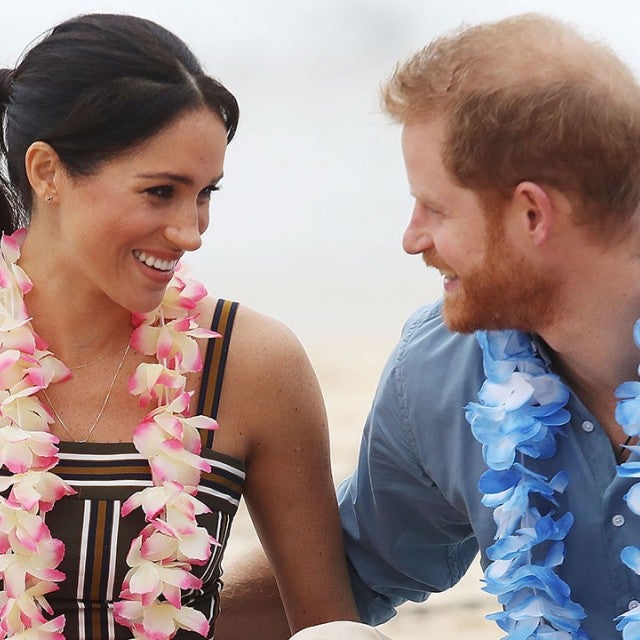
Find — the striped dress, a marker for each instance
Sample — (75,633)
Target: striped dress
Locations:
(97,538)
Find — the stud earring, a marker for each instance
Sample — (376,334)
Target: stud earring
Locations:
(49,198)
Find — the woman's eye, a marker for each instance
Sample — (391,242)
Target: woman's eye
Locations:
(205,194)
(164,192)
(207,191)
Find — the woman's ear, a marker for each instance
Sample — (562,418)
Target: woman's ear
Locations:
(42,164)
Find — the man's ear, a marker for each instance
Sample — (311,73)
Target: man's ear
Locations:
(534,211)
(42,164)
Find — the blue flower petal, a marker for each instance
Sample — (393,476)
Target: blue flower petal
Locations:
(631,557)
(549,389)
(632,498)
(629,624)
(492,481)
(628,416)
(629,469)
(544,446)
(560,481)
(636,333)
(511,394)
(629,389)
(555,556)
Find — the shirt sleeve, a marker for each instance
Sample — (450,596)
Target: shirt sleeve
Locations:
(403,539)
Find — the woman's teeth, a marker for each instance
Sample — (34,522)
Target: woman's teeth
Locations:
(156,263)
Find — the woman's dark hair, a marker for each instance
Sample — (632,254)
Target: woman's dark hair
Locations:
(96,86)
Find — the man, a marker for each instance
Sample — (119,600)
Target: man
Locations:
(521,141)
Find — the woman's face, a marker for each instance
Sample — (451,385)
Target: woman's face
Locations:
(123,229)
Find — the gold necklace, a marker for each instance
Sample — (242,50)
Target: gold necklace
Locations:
(92,362)
(94,422)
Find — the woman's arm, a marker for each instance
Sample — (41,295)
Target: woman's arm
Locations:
(289,488)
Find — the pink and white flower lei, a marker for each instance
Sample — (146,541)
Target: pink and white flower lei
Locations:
(162,556)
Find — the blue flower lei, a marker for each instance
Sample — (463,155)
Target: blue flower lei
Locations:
(520,412)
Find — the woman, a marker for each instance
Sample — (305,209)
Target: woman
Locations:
(114,141)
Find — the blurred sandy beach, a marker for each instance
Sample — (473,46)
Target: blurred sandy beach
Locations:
(348,377)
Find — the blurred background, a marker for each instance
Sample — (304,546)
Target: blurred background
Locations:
(308,224)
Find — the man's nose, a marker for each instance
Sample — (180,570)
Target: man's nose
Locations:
(417,237)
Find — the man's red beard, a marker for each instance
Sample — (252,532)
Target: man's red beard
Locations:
(503,292)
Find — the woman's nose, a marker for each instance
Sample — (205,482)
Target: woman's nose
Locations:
(184,230)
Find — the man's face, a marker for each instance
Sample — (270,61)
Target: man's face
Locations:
(487,283)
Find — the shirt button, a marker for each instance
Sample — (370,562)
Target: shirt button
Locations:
(587,426)
(618,520)
(633,604)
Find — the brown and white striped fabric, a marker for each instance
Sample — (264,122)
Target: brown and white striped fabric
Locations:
(97,538)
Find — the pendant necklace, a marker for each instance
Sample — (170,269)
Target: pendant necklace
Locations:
(94,422)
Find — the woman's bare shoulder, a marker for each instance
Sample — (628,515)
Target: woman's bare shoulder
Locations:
(250,327)
(268,375)
(259,334)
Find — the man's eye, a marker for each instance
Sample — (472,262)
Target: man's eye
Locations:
(161,192)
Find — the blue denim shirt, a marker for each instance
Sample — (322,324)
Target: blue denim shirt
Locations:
(411,511)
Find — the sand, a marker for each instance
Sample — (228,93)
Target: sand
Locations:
(348,377)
